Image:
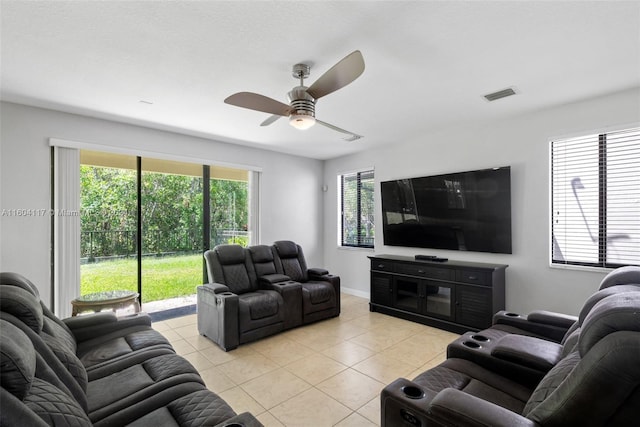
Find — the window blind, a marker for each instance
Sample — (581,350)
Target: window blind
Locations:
(357,209)
(595,196)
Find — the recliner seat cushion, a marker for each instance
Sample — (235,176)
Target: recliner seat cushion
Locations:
(477,381)
(261,304)
(319,292)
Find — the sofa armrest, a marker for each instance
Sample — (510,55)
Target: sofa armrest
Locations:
(317,272)
(92,325)
(217,315)
(454,407)
(216,288)
(552,318)
(291,293)
(534,353)
(544,324)
(269,279)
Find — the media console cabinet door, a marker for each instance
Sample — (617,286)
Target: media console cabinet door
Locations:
(457,296)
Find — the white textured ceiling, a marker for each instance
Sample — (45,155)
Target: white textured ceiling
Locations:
(428,64)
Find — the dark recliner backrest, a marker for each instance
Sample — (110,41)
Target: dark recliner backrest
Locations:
(599,383)
(28,397)
(52,324)
(290,260)
(621,276)
(23,309)
(230,265)
(262,259)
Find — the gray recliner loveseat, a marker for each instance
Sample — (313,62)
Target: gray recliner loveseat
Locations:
(98,370)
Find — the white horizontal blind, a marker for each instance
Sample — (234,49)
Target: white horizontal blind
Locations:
(596,199)
(357,209)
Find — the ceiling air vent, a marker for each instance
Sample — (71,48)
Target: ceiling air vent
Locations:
(500,94)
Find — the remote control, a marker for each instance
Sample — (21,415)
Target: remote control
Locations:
(426,257)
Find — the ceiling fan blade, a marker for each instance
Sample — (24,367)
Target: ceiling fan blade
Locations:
(352,137)
(338,76)
(254,101)
(270,120)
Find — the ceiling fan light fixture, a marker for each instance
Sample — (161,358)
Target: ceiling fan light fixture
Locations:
(301,121)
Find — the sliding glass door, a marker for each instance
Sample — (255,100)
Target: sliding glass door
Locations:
(172,230)
(108,222)
(146,222)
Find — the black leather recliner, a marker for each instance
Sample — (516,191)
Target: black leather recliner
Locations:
(524,348)
(98,370)
(234,307)
(320,290)
(595,381)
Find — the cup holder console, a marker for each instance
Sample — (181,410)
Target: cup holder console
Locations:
(480,338)
(512,314)
(470,344)
(413,392)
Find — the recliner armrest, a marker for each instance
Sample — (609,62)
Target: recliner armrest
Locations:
(454,407)
(216,288)
(89,326)
(317,271)
(535,353)
(544,324)
(552,318)
(274,278)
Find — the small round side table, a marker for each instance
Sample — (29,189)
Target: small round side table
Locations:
(98,301)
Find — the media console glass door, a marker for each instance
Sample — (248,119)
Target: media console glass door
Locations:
(407,294)
(438,299)
(424,297)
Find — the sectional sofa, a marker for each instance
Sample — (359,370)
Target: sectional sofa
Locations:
(98,370)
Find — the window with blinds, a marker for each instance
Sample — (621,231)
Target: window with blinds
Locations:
(356,209)
(595,196)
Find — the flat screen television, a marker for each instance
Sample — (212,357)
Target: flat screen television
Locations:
(464,211)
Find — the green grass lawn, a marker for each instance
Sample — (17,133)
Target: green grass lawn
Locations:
(162,278)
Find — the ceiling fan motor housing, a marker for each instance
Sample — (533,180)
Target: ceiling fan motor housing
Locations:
(302,104)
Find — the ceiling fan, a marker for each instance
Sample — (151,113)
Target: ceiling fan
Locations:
(302,99)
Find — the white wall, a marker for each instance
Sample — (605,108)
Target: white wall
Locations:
(291,187)
(522,143)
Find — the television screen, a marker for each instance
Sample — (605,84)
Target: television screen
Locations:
(465,211)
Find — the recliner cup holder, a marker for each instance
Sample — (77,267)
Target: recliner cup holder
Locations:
(512,314)
(234,425)
(480,338)
(471,344)
(228,293)
(413,392)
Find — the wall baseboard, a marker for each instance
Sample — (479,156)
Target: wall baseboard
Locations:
(355,292)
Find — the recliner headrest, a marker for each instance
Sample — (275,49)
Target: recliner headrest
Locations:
(17,360)
(629,274)
(619,312)
(602,294)
(15,279)
(261,253)
(230,254)
(286,248)
(23,305)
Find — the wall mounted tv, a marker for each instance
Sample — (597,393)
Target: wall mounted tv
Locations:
(465,211)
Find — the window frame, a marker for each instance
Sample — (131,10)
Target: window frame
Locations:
(603,263)
(342,243)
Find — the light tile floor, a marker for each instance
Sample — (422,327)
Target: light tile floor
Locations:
(329,373)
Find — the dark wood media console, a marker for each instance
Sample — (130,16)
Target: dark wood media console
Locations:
(454,295)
